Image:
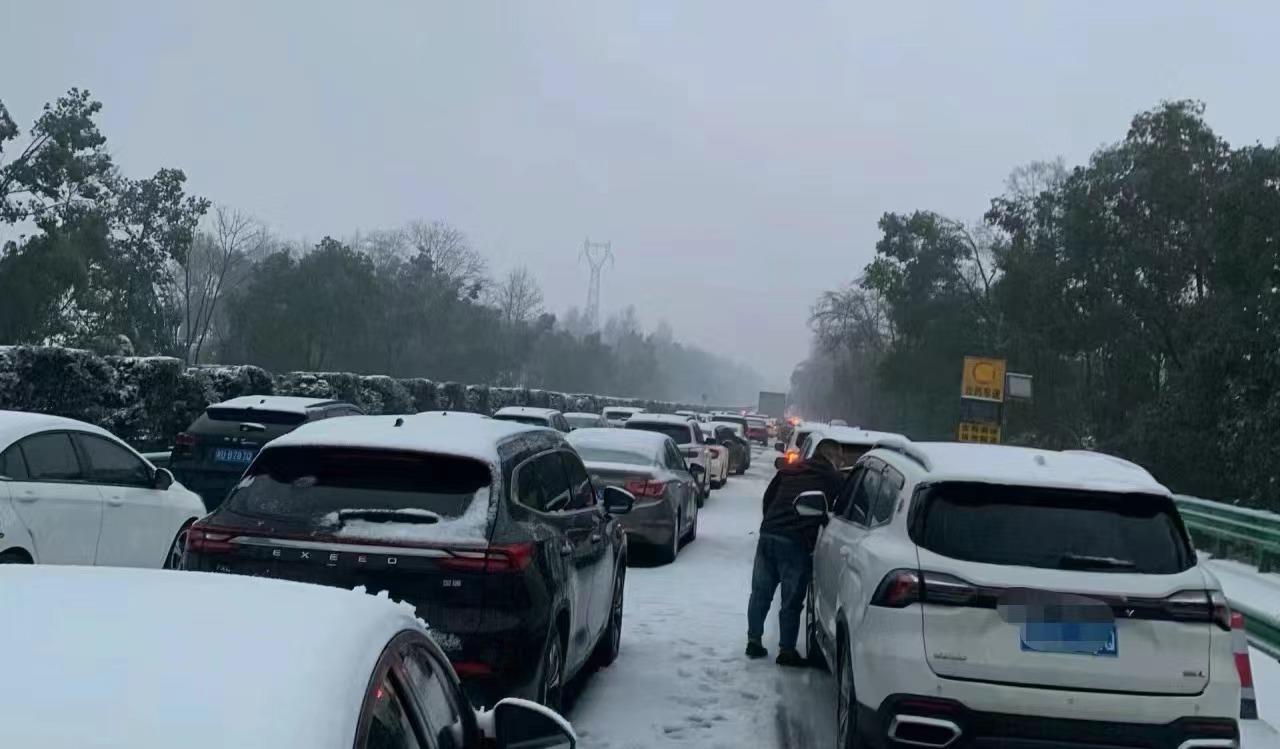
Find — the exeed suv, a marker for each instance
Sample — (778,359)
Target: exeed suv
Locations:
(983,595)
(491,529)
(211,455)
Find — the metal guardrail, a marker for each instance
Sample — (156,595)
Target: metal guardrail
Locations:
(1245,535)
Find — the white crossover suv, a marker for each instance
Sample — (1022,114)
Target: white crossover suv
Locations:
(985,595)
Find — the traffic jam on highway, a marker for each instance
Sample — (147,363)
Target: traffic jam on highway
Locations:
(302,574)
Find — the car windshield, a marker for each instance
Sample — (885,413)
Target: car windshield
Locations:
(313,482)
(538,421)
(602,454)
(587,420)
(679,433)
(255,415)
(1051,528)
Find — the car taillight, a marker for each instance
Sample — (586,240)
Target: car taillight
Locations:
(903,587)
(496,558)
(184,440)
(1198,606)
(207,539)
(642,488)
(691,453)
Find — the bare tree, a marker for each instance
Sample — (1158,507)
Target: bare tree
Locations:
(452,256)
(218,262)
(518,298)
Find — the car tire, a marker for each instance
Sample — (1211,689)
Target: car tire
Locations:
(846,702)
(667,552)
(551,688)
(173,561)
(611,639)
(14,557)
(812,651)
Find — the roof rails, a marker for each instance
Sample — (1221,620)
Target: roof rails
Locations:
(907,450)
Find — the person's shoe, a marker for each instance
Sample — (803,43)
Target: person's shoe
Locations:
(789,657)
(755,649)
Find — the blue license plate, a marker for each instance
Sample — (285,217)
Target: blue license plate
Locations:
(239,455)
(1077,638)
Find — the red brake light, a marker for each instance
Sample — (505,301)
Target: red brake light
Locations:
(209,540)
(643,488)
(898,589)
(496,558)
(184,440)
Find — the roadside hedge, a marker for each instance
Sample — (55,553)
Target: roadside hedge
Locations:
(147,400)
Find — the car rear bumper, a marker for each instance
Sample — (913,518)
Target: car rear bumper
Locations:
(918,720)
(650,524)
(889,659)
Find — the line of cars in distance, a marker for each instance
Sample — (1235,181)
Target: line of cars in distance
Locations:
(985,595)
(494,530)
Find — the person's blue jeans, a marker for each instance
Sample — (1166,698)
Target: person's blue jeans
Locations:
(779,561)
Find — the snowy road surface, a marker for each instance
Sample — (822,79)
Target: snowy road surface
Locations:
(681,679)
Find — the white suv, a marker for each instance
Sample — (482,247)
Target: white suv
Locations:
(981,594)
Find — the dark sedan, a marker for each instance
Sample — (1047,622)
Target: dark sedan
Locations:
(650,467)
(491,529)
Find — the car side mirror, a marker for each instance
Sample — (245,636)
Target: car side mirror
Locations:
(780,447)
(811,504)
(697,470)
(779,462)
(618,501)
(162,479)
(520,723)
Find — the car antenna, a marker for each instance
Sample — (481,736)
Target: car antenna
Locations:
(399,421)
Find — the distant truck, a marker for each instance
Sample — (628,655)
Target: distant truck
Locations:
(772,404)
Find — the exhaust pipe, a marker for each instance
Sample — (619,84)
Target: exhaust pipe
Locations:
(935,733)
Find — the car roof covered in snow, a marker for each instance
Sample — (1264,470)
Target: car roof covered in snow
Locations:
(463,414)
(1027,466)
(636,440)
(526,411)
(156,658)
(647,418)
(439,434)
(581,415)
(626,409)
(282,403)
(14,425)
(847,435)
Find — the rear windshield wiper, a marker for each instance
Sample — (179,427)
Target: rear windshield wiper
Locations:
(1086,562)
(426,517)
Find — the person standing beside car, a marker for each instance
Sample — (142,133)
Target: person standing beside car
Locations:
(784,552)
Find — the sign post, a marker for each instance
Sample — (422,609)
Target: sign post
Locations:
(982,394)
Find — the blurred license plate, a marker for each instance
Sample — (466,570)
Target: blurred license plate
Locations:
(1079,638)
(232,454)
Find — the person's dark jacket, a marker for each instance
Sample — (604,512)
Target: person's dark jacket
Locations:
(792,479)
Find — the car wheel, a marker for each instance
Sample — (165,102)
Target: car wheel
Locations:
(812,650)
(667,553)
(177,549)
(14,557)
(846,702)
(611,640)
(551,691)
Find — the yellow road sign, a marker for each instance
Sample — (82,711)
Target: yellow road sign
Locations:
(973,432)
(983,378)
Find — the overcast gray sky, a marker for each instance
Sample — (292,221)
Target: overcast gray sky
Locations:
(737,153)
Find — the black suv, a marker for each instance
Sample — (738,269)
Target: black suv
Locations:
(211,455)
(491,529)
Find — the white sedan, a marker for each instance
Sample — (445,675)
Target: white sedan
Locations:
(152,660)
(72,493)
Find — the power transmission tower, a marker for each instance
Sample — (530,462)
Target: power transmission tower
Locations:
(596,254)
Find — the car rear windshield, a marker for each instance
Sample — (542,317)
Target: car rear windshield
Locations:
(255,415)
(537,421)
(677,432)
(593,454)
(313,482)
(1052,528)
(611,414)
(583,421)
